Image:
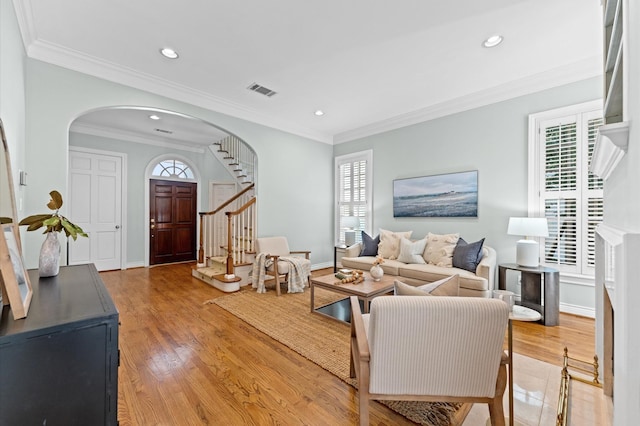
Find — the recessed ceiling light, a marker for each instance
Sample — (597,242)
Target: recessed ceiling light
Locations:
(169,53)
(154,117)
(492,41)
(319,112)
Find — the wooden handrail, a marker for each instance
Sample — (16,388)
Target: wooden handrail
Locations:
(201,250)
(229,201)
(243,208)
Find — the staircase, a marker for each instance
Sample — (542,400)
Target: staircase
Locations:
(237,157)
(226,248)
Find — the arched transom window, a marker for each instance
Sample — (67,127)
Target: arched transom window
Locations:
(173,169)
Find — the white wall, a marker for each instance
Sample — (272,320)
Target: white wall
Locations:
(294,174)
(491,139)
(622,189)
(139,157)
(622,210)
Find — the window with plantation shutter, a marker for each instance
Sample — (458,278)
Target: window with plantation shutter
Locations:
(561,187)
(353,194)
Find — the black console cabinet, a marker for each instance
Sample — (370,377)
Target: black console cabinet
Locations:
(59,365)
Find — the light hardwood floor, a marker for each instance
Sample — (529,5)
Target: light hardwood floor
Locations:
(184,362)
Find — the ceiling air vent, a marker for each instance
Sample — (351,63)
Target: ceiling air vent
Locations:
(261,89)
(168,132)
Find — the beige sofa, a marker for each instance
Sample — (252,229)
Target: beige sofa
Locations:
(479,284)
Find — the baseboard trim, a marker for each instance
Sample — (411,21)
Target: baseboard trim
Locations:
(134,265)
(323,265)
(577,310)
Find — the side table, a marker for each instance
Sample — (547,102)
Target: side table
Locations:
(339,248)
(532,290)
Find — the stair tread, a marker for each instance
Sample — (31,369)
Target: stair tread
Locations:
(211,272)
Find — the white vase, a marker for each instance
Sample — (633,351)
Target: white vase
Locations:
(376,272)
(49,263)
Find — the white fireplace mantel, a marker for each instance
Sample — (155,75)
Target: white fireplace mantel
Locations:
(617,289)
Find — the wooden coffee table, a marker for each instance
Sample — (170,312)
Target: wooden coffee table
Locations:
(365,291)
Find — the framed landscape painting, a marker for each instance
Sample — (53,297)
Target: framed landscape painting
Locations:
(447,195)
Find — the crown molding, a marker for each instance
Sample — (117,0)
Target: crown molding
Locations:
(582,70)
(24,16)
(86,64)
(108,132)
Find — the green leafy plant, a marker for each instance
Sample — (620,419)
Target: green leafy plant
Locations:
(54,222)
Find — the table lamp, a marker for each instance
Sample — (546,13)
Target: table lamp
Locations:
(350,223)
(527,251)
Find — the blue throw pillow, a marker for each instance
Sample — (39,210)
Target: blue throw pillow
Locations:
(467,256)
(369,245)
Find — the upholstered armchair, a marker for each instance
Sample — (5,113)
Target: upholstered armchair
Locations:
(284,265)
(426,348)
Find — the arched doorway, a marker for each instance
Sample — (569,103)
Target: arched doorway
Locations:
(141,135)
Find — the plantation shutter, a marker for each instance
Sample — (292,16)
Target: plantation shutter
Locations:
(353,184)
(570,197)
(594,200)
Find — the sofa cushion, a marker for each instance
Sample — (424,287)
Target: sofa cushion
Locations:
(445,287)
(411,251)
(369,245)
(402,289)
(389,246)
(440,249)
(467,255)
(366,262)
(431,273)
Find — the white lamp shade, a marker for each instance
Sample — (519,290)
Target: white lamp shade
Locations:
(528,226)
(350,222)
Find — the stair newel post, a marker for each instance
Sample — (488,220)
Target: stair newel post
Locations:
(201,247)
(230,269)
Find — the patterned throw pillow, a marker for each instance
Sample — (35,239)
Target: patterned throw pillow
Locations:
(445,287)
(369,245)
(440,249)
(467,255)
(411,252)
(389,247)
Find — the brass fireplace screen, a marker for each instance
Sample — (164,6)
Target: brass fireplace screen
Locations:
(582,368)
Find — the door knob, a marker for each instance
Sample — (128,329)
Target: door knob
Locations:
(117,226)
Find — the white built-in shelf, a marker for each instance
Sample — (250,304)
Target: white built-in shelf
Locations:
(613,61)
(614,98)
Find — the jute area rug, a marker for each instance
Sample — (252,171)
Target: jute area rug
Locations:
(323,341)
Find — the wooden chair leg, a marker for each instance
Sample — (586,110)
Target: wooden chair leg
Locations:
(363,403)
(496,409)
(496,413)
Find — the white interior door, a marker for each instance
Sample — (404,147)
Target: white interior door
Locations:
(219,193)
(95,187)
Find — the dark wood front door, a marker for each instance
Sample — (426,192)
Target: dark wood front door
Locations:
(173,221)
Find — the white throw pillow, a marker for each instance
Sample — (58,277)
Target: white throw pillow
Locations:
(440,249)
(449,286)
(445,287)
(411,252)
(389,247)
